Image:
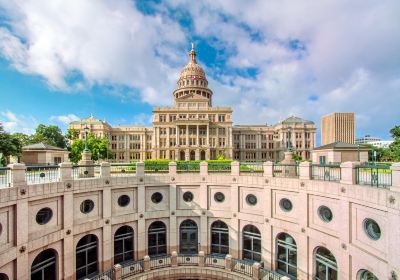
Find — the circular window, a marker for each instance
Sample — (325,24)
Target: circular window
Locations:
(325,213)
(286,204)
(156,197)
(219,197)
(372,229)
(188,196)
(123,200)
(251,199)
(44,215)
(87,206)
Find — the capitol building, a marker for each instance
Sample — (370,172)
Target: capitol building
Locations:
(195,130)
(255,218)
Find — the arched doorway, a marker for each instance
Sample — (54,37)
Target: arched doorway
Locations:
(286,255)
(203,155)
(123,244)
(192,155)
(325,265)
(44,266)
(182,155)
(87,257)
(188,241)
(251,243)
(219,238)
(157,239)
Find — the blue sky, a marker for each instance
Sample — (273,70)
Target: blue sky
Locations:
(65,60)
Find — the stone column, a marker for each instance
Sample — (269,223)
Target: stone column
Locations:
(177,135)
(348,173)
(228,262)
(256,271)
(117,272)
(235,168)
(197,135)
(395,177)
(140,168)
(201,258)
(268,169)
(17,174)
(86,160)
(22,216)
(174,259)
(187,136)
(203,168)
(207,136)
(146,263)
(172,169)
(105,169)
(65,171)
(305,170)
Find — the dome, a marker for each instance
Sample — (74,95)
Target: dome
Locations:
(192,70)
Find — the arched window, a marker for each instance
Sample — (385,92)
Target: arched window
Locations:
(192,155)
(44,266)
(325,264)
(157,239)
(123,244)
(286,255)
(203,155)
(251,243)
(367,275)
(3,276)
(188,242)
(219,238)
(86,257)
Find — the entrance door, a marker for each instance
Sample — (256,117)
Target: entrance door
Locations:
(188,242)
(182,155)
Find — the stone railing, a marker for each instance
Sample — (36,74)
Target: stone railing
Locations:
(226,264)
(347,173)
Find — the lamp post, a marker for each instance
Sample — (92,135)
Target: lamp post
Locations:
(289,147)
(358,152)
(86,129)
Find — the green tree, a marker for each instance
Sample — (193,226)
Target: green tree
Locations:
(98,147)
(297,156)
(72,134)
(9,146)
(23,138)
(51,135)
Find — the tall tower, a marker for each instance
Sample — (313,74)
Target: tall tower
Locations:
(192,129)
(192,85)
(338,127)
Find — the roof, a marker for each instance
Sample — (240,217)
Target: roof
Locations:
(341,145)
(90,120)
(295,120)
(42,146)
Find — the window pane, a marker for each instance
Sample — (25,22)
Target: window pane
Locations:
(225,239)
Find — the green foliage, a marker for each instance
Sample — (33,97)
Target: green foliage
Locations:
(51,135)
(9,146)
(72,134)
(23,138)
(297,157)
(98,147)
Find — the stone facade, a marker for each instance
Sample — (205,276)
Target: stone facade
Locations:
(195,130)
(22,238)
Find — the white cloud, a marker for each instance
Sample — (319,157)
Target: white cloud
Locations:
(65,119)
(13,123)
(350,60)
(143,119)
